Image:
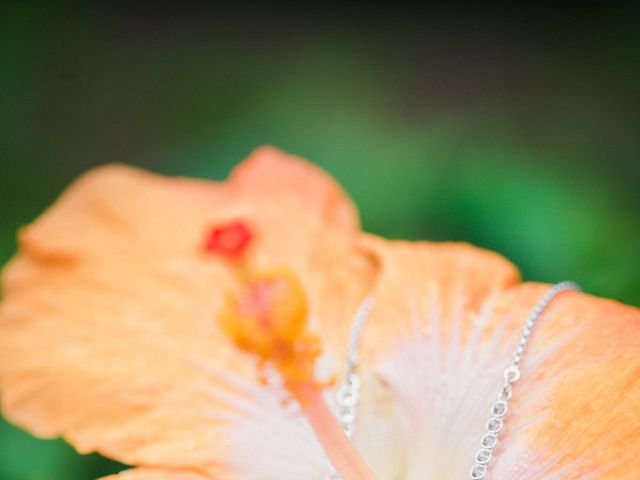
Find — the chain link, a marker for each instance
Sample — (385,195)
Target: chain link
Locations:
(348,395)
(512,374)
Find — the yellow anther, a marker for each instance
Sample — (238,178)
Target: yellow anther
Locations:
(267,317)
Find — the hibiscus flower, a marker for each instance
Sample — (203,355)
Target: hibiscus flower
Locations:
(200,331)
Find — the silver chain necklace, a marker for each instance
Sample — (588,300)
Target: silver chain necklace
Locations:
(348,394)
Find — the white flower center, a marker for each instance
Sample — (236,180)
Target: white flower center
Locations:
(421,415)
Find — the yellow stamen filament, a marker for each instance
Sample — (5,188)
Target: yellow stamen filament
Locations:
(268,318)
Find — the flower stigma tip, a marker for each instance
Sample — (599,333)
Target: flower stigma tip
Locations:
(229,240)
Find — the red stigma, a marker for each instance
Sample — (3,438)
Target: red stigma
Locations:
(230,240)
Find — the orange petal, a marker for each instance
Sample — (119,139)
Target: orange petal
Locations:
(414,277)
(107,330)
(574,411)
(593,373)
(314,236)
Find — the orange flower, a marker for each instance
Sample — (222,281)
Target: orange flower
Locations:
(188,328)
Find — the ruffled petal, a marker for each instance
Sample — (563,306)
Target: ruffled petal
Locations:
(445,326)
(584,384)
(420,280)
(107,327)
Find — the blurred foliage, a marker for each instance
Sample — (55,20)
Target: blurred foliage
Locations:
(516,131)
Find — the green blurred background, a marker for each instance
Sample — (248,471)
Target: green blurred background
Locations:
(516,130)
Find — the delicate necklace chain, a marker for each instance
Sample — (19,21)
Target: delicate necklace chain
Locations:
(348,394)
(511,374)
